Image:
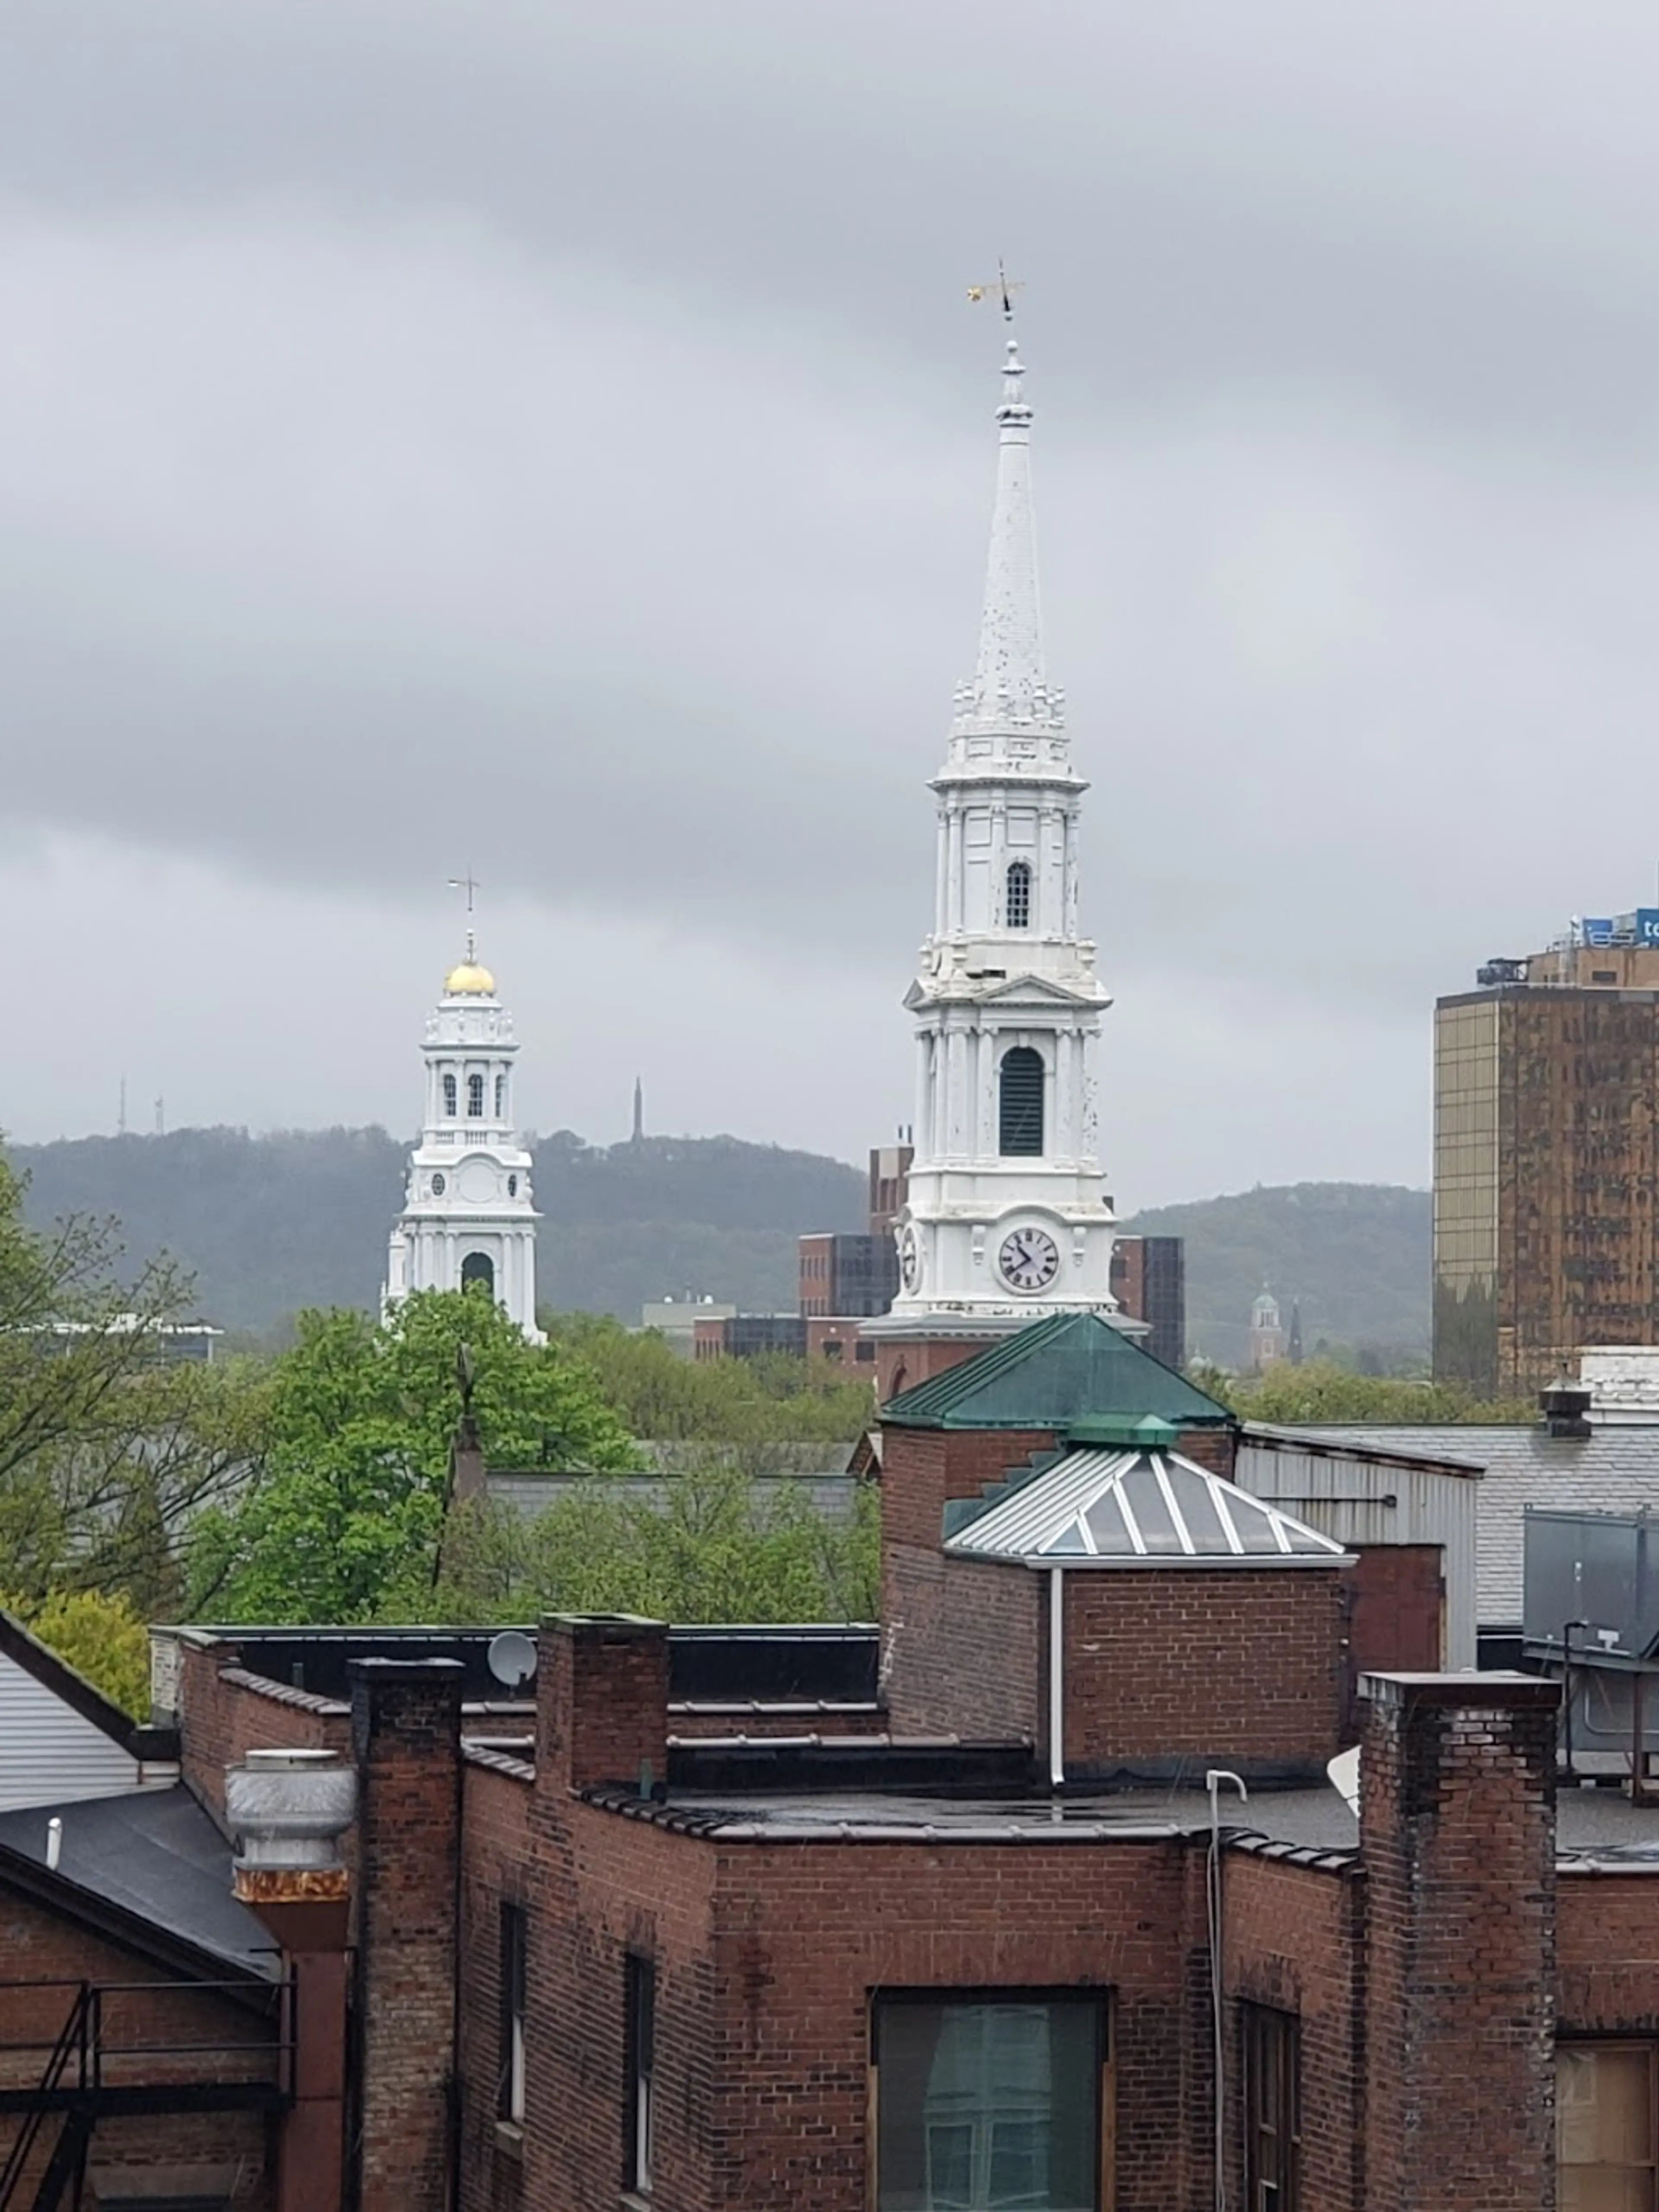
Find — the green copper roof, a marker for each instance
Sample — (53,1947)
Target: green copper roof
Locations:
(1073,1369)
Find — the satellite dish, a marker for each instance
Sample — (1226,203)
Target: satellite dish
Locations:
(1344,1771)
(512,1658)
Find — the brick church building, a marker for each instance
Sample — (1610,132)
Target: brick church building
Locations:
(1039,1896)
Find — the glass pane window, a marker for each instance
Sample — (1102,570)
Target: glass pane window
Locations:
(991,2105)
(1605,2130)
(449,1094)
(639,2026)
(1272,2131)
(509,2102)
(475,1098)
(1019,895)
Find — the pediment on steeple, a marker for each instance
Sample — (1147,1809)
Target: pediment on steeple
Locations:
(986,989)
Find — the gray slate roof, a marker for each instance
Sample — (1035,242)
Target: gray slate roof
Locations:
(157,1855)
(1104,1507)
(1615,1469)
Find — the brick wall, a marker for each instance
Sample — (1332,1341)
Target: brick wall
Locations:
(225,1712)
(38,1945)
(1607,1948)
(495,1871)
(602,1702)
(1242,1668)
(406,1725)
(808,1934)
(963,1651)
(1292,1938)
(1457,1832)
(921,1467)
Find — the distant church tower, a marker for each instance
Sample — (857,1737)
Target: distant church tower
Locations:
(1007,1219)
(468,1214)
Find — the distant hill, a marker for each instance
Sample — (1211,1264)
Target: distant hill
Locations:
(1355,1256)
(270,1224)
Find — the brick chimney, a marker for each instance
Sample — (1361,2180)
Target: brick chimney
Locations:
(1457,1836)
(406,1737)
(602,1702)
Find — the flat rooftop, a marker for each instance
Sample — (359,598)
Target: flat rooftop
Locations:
(1594,1826)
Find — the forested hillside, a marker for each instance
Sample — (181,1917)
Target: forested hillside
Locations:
(274,1223)
(271,1223)
(1355,1256)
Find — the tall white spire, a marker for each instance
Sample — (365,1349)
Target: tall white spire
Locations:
(1010,694)
(1007,1215)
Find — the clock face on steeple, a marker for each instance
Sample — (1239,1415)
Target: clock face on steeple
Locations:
(910,1257)
(1029,1259)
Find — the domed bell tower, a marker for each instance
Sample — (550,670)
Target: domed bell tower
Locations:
(469,1216)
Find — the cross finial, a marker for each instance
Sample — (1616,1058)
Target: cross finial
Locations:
(469,884)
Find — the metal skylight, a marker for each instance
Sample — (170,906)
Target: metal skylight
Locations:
(1141,1509)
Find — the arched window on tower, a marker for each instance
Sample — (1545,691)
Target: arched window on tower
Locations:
(478,1267)
(449,1097)
(1020,1104)
(1017,905)
(475,1098)
(501,1097)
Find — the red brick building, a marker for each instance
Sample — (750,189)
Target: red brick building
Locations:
(943,1915)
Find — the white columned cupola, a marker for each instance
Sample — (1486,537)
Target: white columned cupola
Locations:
(469,1215)
(1008,1218)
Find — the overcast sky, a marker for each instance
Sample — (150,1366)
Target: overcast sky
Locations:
(554,439)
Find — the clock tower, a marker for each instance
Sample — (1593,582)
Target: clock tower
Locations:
(468,1215)
(1007,1218)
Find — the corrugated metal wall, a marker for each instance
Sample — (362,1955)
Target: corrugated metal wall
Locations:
(48,1751)
(1347,1498)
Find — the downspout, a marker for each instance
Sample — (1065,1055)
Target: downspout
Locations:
(1212,1898)
(1056,1678)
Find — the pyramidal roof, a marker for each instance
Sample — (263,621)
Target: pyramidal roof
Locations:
(1144,1509)
(1069,1369)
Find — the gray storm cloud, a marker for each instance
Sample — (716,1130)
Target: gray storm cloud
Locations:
(557,438)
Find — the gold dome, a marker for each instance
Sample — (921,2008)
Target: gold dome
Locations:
(469,981)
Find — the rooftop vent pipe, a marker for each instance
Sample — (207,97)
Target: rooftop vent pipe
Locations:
(1565,1408)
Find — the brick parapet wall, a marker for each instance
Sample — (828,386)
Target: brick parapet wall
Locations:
(225,1712)
(1243,1667)
(964,1650)
(1457,1832)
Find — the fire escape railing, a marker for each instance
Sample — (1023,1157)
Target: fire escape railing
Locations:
(88,2075)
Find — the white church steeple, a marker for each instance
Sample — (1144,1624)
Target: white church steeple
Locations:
(469,1216)
(1007,1218)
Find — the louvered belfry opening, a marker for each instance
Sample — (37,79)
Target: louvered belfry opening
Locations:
(1020,1121)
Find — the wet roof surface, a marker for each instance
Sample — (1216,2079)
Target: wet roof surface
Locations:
(154,1854)
(1600,1823)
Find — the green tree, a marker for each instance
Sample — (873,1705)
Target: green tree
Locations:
(709,1545)
(749,1403)
(102,1637)
(347,1502)
(106,1449)
(1322,1392)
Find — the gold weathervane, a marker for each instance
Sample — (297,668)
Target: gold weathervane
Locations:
(1003,290)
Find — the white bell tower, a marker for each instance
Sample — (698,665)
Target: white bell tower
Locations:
(468,1213)
(1007,1219)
